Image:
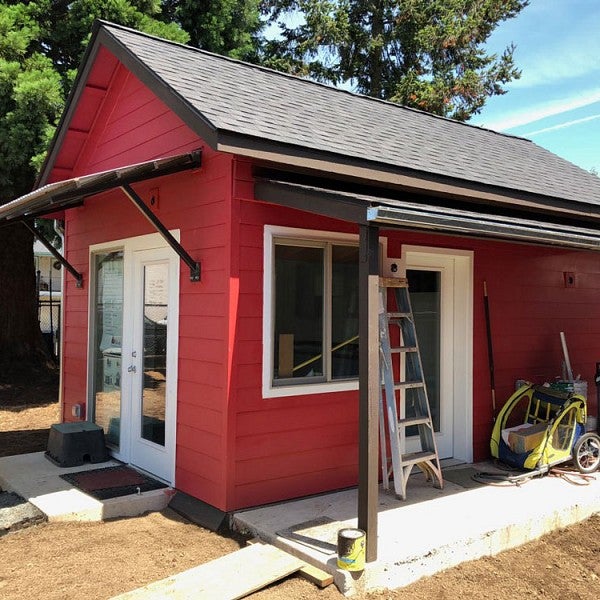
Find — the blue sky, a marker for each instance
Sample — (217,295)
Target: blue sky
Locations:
(556,103)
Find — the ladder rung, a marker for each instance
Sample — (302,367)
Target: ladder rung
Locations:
(415,458)
(408,385)
(410,421)
(404,349)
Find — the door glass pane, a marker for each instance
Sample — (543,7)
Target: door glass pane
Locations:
(344,312)
(298,343)
(154,360)
(425,296)
(108,334)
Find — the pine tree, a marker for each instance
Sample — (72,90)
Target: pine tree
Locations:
(427,54)
(41,44)
(228,27)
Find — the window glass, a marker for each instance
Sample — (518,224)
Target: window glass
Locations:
(344,312)
(315,311)
(108,334)
(298,343)
(425,297)
(156,308)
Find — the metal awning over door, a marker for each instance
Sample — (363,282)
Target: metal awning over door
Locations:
(55,197)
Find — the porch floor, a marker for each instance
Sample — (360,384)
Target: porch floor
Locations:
(38,481)
(430,531)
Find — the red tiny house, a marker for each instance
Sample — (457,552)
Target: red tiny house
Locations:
(241,438)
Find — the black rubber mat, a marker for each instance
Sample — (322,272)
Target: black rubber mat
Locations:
(112,482)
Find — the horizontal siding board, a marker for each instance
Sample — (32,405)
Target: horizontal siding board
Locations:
(251,235)
(205,306)
(295,463)
(202,441)
(192,483)
(202,350)
(282,443)
(249,328)
(202,372)
(250,304)
(215,236)
(248,353)
(199,464)
(251,282)
(199,417)
(194,397)
(212,328)
(295,486)
(279,415)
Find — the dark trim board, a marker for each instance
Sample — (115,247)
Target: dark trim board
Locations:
(365,209)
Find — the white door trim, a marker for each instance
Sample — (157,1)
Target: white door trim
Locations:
(461,378)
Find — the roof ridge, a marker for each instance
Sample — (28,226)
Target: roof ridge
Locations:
(109,24)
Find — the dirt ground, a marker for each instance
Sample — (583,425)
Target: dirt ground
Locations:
(100,560)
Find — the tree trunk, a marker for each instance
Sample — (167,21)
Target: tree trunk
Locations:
(22,350)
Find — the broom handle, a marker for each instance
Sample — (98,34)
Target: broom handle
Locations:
(563,341)
(486,305)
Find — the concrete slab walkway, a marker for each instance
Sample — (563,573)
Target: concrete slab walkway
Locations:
(37,480)
(429,532)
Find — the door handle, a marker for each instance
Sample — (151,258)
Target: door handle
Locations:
(131,369)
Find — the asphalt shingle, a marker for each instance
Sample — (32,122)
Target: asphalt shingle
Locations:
(261,103)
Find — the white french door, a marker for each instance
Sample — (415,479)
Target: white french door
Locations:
(440,287)
(133,351)
(152,366)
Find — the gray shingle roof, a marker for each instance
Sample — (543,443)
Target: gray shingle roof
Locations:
(253,101)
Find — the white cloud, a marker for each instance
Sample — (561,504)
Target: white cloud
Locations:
(561,126)
(560,64)
(537,112)
(557,43)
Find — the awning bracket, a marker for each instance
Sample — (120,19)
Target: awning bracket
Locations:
(57,255)
(166,234)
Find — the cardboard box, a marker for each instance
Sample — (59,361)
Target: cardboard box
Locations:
(525,438)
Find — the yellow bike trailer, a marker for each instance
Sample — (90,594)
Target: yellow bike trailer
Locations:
(540,427)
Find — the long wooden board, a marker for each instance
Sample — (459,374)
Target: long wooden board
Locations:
(230,577)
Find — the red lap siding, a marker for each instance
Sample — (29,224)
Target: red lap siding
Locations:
(133,126)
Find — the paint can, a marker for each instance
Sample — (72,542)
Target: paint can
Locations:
(351,549)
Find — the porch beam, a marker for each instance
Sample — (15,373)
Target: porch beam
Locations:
(309,199)
(57,255)
(164,232)
(369,383)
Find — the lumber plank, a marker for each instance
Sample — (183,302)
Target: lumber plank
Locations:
(316,576)
(309,572)
(230,577)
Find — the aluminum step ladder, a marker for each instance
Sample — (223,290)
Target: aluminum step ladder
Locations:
(407,396)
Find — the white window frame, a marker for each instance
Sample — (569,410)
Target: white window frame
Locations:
(299,237)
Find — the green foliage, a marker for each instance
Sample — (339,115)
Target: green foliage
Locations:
(228,27)
(71,23)
(31,96)
(427,54)
(41,44)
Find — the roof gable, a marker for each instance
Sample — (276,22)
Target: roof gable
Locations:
(116,121)
(222,100)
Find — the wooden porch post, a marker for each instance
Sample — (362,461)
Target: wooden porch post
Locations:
(368,445)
